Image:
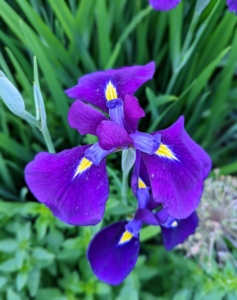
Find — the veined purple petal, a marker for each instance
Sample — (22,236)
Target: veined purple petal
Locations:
(132,113)
(99,87)
(232,4)
(176,235)
(72,187)
(110,260)
(164,4)
(147,216)
(146,142)
(84,118)
(177,171)
(112,135)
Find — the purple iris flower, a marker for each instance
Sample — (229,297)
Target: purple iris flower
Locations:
(114,250)
(232,4)
(73,184)
(164,4)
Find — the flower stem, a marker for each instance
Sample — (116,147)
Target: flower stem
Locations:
(48,140)
(124,187)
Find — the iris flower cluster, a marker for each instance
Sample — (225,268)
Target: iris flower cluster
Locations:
(167,177)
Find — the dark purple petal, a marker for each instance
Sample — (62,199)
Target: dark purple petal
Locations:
(232,4)
(92,88)
(132,113)
(84,118)
(147,217)
(177,172)
(112,135)
(176,235)
(164,4)
(75,195)
(110,261)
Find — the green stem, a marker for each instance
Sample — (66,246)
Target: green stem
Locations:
(48,140)
(29,118)
(124,187)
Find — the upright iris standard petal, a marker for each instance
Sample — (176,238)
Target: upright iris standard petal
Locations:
(84,118)
(177,171)
(132,113)
(112,260)
(232,4)
(72,187)
(112,135)
(164,4)
(175,235)
(99,87)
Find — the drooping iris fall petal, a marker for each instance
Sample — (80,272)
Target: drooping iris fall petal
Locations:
(164,4)
(99,87)
(175,235)
(177,171)
(72,187)
(113,253)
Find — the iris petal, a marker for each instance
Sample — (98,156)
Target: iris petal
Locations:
(178,183)
(164,4)
(84,118)
(132,113)
(111,135)
(110,261)
(92,88)
(232,4)
(175,235)
(74,190)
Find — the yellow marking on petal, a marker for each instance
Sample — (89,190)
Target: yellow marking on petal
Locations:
(141,184)
(126,237)
(110,92)
(84,165)
(164,151)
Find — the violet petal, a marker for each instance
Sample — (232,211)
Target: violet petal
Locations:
(111,135)
(92,88)
(177,177)
(84,118)
(164,4)
(110,261)
(76,193)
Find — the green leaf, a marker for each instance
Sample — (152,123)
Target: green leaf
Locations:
(3,281)
(9,266)
(102,289)
(11,295)
(8,245)
(33,281)
(149,232)
(42,254)
(21,280)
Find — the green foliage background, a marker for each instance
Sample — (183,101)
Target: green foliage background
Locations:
(196,60)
